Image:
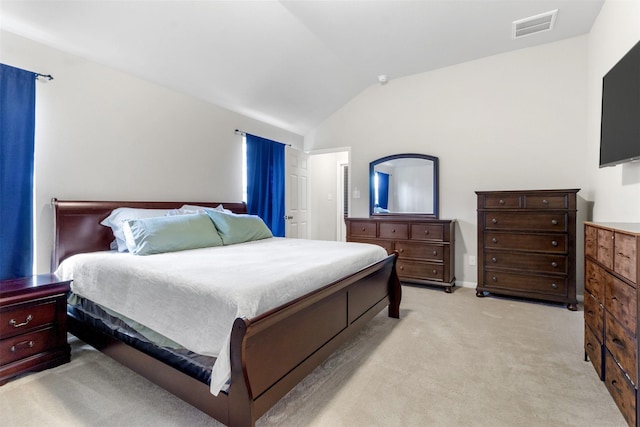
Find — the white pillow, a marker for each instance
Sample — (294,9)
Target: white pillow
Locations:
(120,215)
(202,208)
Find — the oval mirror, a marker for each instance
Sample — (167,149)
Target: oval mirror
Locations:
(404,184)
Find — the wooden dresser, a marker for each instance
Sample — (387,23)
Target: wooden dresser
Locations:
(527,244)
(33,324)
(612,274)
(426,247)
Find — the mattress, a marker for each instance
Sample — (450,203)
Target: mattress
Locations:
(193,297)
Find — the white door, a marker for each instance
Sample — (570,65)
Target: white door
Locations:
(296,193)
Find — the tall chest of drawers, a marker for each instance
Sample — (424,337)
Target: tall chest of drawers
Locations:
(426,247)
(526,244)
(612,274)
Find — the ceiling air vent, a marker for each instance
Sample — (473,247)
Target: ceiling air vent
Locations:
(534,24)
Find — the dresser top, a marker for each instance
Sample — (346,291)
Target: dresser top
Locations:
(632,227)
(572,190)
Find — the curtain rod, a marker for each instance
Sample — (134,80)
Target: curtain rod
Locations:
(243,133)
(48,77)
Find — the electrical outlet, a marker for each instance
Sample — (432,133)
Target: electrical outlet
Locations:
(472,260)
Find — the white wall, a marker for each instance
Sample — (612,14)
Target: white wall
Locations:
(512,121)
(614,190)
(105,135)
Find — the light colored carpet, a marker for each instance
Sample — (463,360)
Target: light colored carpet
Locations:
(452,360)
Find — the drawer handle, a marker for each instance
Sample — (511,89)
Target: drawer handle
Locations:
(426,231)
(590,313)
(617,342)
(494,278)
(554,243)
(435,253)
(364,228)
(495,221)
(402,267)
(494,240)
(614,383)
(545,202)
(435,271)
(554,221)
(401,250)
(623,255)
(15,324)
(501,202)
(494,259)
(393,231)
(26,344)
(590,346)
(554,264)
(554,286)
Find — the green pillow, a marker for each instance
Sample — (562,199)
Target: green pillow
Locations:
(239,228)
(170,233)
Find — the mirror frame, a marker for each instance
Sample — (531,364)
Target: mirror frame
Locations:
(372,166)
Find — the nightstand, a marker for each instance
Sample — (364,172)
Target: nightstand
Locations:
(33,324)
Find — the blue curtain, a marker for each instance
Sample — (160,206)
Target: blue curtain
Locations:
(265,182)
(383,190)
(17,126)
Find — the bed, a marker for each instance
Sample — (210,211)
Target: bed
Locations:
(269,353)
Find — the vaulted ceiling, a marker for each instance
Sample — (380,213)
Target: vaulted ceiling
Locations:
(288,63)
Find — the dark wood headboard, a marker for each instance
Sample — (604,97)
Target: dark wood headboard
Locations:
(77,228)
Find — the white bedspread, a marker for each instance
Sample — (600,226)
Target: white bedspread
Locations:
(194,296)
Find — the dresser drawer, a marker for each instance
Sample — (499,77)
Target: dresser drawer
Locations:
(546,201)
(623,392)
(24,317)
(526,261)
(590,241)
(362,229)
(605,248)
(22,346)
(621,345)
(556,286)
(620,300)
(393,230)
(593,348)
(594,278)
(420,251)
(419,270)
(625,257)
(427,232)
(526,242)
(517,221)
(502,201)
(594,316)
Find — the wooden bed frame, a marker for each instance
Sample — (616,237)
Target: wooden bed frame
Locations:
(270,353)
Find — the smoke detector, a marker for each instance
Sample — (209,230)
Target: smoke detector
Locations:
(534,24)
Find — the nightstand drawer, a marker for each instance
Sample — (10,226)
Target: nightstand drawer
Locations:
(22,346)
(24,317)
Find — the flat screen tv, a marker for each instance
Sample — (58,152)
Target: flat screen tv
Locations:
(620,124)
